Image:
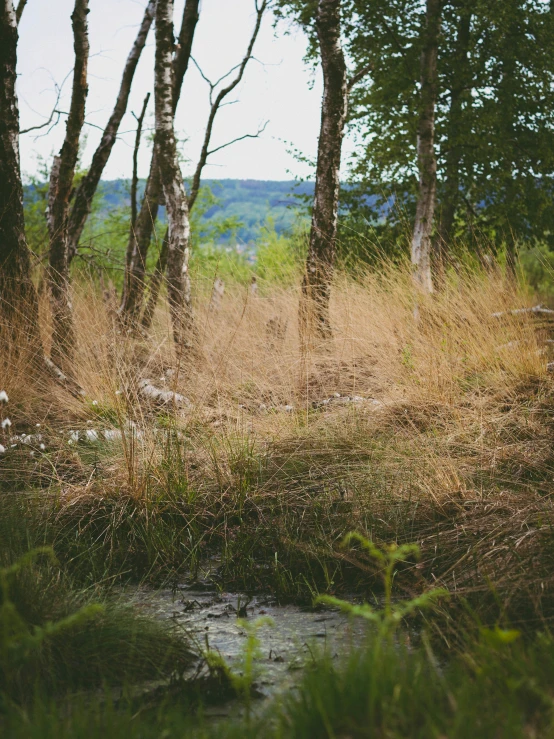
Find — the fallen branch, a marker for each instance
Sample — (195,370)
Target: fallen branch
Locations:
(70,384)
(166,397)
(535,310)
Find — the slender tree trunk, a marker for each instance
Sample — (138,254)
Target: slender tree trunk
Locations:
(426,160)
(18,298)
(61,182)
(171,178)
(316,286)
(139,239)
(155,285)
(134,186)
(137,248)
(89,184)
(134,181)
(459,92)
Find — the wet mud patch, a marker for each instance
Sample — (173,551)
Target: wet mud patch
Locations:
(297,635)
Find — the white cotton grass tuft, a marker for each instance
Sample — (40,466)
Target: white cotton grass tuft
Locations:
(6,423)
(3,396)
(2,449)
(42,447)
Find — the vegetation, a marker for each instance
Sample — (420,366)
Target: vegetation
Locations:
(313,418)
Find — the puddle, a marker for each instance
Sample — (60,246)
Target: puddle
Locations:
(296,636)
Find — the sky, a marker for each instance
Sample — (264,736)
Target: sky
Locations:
(278,87)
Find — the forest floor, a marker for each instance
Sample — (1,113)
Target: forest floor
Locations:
(426,420)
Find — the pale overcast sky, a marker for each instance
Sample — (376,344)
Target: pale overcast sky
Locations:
(278,88)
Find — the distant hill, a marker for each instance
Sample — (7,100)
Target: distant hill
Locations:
(252,202)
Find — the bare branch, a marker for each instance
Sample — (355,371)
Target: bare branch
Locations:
(239,138)
(222,94)
(20,8)
(54,112)
(199,68)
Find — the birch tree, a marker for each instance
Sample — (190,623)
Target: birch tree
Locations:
(216,101)
(139,238)
(316,286)
(18,298)
(82,203)
(426,158)
(61,183)
(171,178)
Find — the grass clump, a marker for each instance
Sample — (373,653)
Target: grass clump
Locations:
(55,639)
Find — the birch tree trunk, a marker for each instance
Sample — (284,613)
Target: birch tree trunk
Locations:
(61,182)
(89,184)
(426,160)
(139,239)
(18,298)
(458,93)
(171,178)
(316,286)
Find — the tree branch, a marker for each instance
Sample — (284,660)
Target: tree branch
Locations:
(52,114)
(184,47)
(239,138)
(20,8)
(360,74)
(222,94)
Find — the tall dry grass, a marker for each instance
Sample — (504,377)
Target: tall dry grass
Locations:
(450,444)
(389,342)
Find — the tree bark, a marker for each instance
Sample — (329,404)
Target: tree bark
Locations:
(85,192)
(458,92)
(426,160)
(171,178)
(139,239)
(155,285)
(316,286)
(18,297)
(61,182)
(137,247)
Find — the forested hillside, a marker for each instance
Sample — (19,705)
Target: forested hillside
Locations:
(249,202)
